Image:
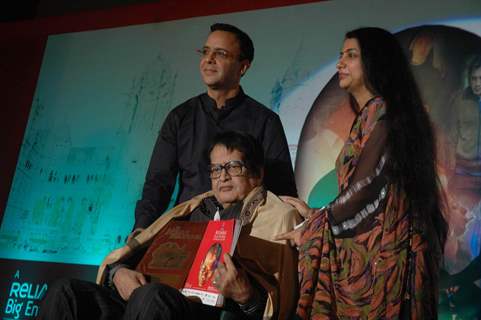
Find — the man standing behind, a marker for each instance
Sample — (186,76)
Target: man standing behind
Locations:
(188,130)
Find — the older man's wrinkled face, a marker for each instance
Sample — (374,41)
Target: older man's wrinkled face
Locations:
(231,180)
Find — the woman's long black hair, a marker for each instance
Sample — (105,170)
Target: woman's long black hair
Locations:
(411,142)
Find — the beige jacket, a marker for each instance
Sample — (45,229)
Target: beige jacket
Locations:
(272,263)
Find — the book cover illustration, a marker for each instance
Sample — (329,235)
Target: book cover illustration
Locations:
(220,237)
(172,252)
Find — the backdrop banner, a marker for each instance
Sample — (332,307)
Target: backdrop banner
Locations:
(102,96)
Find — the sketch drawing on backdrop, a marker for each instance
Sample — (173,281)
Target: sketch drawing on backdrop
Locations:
(63,184)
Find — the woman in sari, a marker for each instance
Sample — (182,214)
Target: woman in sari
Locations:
(374,251)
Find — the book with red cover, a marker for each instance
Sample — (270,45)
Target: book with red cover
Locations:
(170,255)
(185,254)
(220,237)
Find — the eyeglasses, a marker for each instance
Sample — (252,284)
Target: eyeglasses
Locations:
(216,53)
(233,168)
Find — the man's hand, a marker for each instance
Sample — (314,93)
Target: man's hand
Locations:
(126,281)
(232,283)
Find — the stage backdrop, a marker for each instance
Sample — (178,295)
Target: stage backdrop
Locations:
(102,96)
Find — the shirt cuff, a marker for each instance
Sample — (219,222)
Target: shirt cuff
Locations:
(255,305)
(112,269)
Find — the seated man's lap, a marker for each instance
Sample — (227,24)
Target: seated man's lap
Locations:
(78,299)
(159,301)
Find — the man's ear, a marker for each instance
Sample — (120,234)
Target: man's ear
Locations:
(262,174)
(261,177)
(245,66)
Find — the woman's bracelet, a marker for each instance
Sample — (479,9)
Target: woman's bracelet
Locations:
(300,225)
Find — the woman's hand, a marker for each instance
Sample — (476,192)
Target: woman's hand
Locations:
(294,236)
(300,205)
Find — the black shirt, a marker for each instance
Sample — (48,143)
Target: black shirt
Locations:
(182,147)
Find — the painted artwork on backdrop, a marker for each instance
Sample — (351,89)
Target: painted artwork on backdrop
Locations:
(440,58)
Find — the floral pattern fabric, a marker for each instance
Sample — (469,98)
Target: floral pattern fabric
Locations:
(379,273)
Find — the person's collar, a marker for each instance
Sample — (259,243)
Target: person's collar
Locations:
(230,103)
(368,102)
(257,197)
(211,206)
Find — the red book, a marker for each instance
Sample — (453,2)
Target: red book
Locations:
(185,254)
(220,237)
(170,255)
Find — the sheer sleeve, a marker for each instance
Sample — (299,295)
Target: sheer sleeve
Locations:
(356,205)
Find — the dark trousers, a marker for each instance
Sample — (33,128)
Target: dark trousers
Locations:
(70,299)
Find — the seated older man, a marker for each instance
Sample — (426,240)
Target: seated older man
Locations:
(259,281)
